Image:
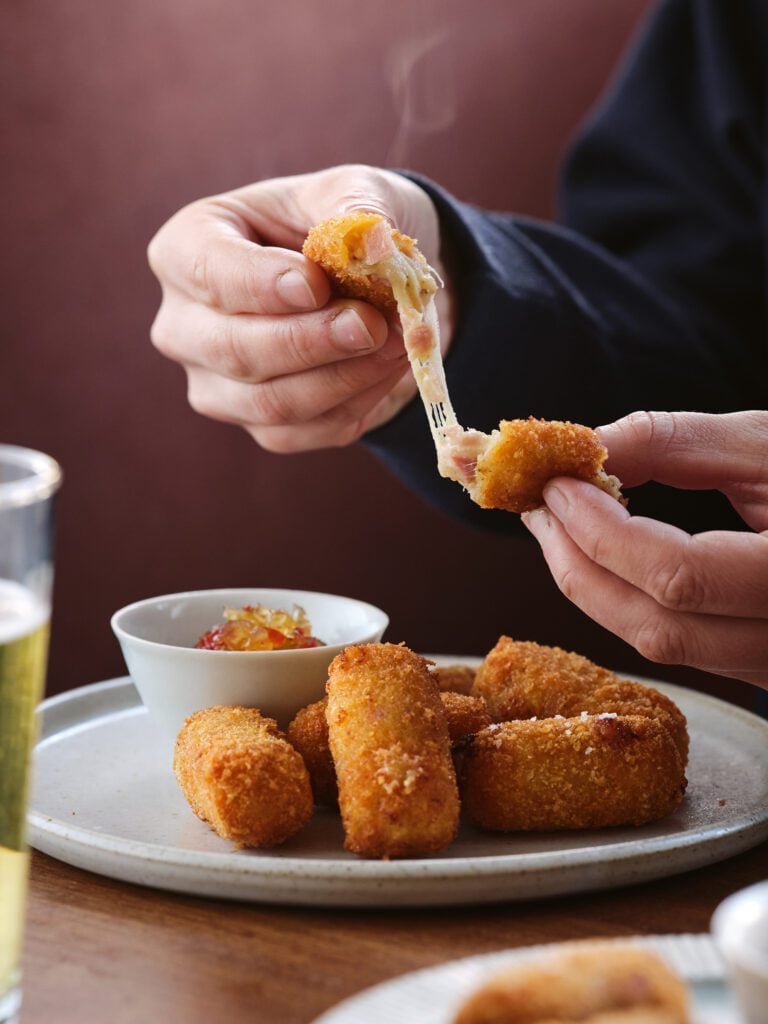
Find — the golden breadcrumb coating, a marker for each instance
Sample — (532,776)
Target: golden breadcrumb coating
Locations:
(625,697)
(590,771)
(520,679)
(591,982)
(336,244)
(454,678)
(465,715)
(240,775)
(578,747)
(525,454)
(308,733)
(389,741)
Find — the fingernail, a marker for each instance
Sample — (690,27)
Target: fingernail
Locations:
(293,288)
(556,499)
(350,332)
(537,520)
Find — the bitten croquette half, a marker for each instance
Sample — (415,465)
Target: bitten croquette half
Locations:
(366,258)
(520,457)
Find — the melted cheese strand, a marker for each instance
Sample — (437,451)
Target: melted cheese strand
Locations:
(414,290)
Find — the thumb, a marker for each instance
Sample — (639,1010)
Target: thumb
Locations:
(693,451)
(358,188)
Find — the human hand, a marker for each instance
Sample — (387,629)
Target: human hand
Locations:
(253,323)
(697,600)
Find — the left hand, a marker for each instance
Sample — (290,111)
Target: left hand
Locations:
(697,600)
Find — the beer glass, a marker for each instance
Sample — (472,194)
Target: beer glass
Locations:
(28,483)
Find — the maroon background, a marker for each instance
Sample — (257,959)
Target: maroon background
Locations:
(113,116)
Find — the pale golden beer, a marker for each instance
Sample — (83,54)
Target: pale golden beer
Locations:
(28,481)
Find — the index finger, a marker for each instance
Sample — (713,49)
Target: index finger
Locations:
(716,573)
(208,251)
(697,451)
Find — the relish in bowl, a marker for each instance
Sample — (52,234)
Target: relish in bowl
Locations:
(258,628)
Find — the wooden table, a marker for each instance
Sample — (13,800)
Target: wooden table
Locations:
(101,951)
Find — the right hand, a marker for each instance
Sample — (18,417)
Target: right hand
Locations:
(253,322)
(698,600)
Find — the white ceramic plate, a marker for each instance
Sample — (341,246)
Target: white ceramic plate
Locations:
(106,801)
(433,996)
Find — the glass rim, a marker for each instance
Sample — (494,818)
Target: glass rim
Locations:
(42,480)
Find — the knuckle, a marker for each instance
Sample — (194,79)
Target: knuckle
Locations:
(160,332)
(227,352)
(199,399)
(164,246)
(154,254)
(342,428)
(599,547)
(657,429)
(567,582)
(661,640)
(269,406)
(196,402)
(200,279)
(362,185)
(348,378)
(353,175)
(679,587)
(278,442)
(299,343)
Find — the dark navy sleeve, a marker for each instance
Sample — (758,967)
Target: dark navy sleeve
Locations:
(652,292)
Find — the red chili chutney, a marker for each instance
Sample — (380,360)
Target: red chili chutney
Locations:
(256,628)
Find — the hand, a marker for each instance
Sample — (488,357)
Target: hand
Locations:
(694,600)
(254,325)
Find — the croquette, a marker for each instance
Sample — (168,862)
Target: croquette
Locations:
(591,982)
(454,678)
(389,740)
(522,679)
(523,455)
(241,776)
(586,772)
(308,733)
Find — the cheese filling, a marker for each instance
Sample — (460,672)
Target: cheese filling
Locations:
(414,286)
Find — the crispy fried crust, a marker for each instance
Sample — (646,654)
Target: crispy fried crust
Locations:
(308,733)
(571,773)
(335,243)
(241,776)
(524,454)
(520,679)
(573,745)
(628,698)
(590,982)
(454,678)
(389,740)
(465,715)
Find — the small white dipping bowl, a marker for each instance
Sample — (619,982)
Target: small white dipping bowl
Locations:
(740,931)
(158,637)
